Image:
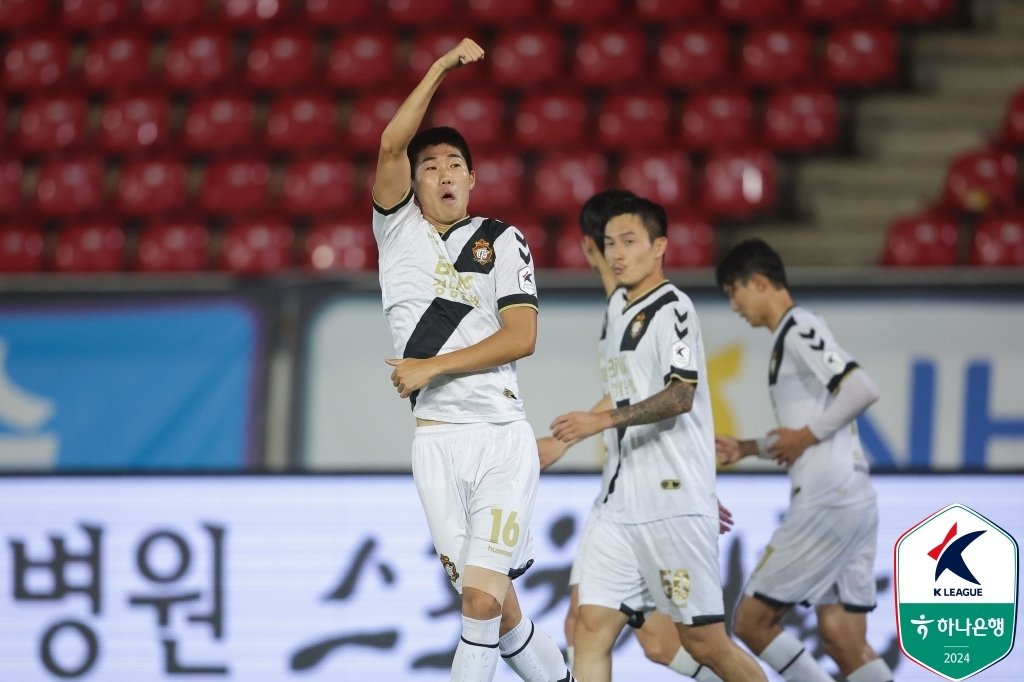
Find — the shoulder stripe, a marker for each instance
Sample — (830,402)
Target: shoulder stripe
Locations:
(394,209)
(777,349)
(636,329)
(478,254)
(833,385)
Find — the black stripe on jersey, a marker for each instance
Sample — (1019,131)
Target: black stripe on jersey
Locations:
(437,324)
(644,297)
(516,299)
(454,226)
(394,209)
(833,384)
(489,231)
(631,337)
(780,345)
(620,433)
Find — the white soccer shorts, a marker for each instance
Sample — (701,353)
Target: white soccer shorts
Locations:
(670,565)
(820,556)
(478,484)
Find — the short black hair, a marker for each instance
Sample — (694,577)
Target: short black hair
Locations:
(428,137)
(652,215)
(751,257)
(594,212)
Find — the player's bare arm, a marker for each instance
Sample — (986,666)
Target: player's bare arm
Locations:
(394,175)
(671,401)
(730,450)
(516,339)
(595,257)
(551,449)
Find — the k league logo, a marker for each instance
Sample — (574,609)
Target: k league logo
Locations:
(956,592)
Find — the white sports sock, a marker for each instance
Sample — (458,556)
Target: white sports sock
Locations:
(570,655)
(476,656)
(788,657)
(532,654)
(684,664)
(872,671)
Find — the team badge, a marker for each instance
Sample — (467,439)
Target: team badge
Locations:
(956,592)
(482,252)
(449,567)
(636,327)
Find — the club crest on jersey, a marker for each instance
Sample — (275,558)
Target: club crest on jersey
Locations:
(636,327)
(482,252)
(449,567)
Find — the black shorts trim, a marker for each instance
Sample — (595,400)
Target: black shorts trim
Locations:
(774,603)
(514,573)
(708,620)
(635,618)
(857,608)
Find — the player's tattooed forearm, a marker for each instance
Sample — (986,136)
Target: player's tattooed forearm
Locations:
(671,401)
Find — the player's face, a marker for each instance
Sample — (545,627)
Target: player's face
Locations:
(441,182)
(634,259)
(747,301)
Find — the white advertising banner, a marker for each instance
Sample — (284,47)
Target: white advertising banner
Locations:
(949,370)
(328,578)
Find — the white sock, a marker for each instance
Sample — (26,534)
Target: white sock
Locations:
(532,654)
(872,671)
(570,655)
(684,664)
(788,657)
(476,656)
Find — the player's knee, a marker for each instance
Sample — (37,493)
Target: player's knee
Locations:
(479,604)
(657,652)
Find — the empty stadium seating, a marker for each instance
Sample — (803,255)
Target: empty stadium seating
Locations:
(929,239)
(999,241)
(22,247)
(173,245)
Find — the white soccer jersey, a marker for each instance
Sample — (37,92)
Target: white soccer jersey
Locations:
(805,370)
(654,471)
(442,293)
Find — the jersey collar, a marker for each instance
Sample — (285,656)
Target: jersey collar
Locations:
(644,296)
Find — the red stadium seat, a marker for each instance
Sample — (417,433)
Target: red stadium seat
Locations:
(499,183)
(801,119)
(751,11)
(52,123)
(164,14)
(739,184)
(152,186)
(318,185)
(610,55)
(691,242)
(926,239)
(337,13)
(217,123)
(116,60)
(301,122)
(197,59)
(628,119)
(251,13)
(664,11)
(533,228)
(717,118)
(662,175)
(235,186)
(20,14)
(70,186)
(1013,127)
(280,59)
(526,57)
(34,62)
(370,115)
(258,246)
(999,241)
(980,181)
(568,246)
(918,11)
(563,180)
(692,56)
(478,114)
(833,11)
(340,244)
(134,123)
(776,55)
(861,56)
(548,119)
(419,12)
(173,246)
(430,44)
(92,15)
(11,196)
(500,12)
(22,247)
(362,58)
(583,11)
(90,246)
